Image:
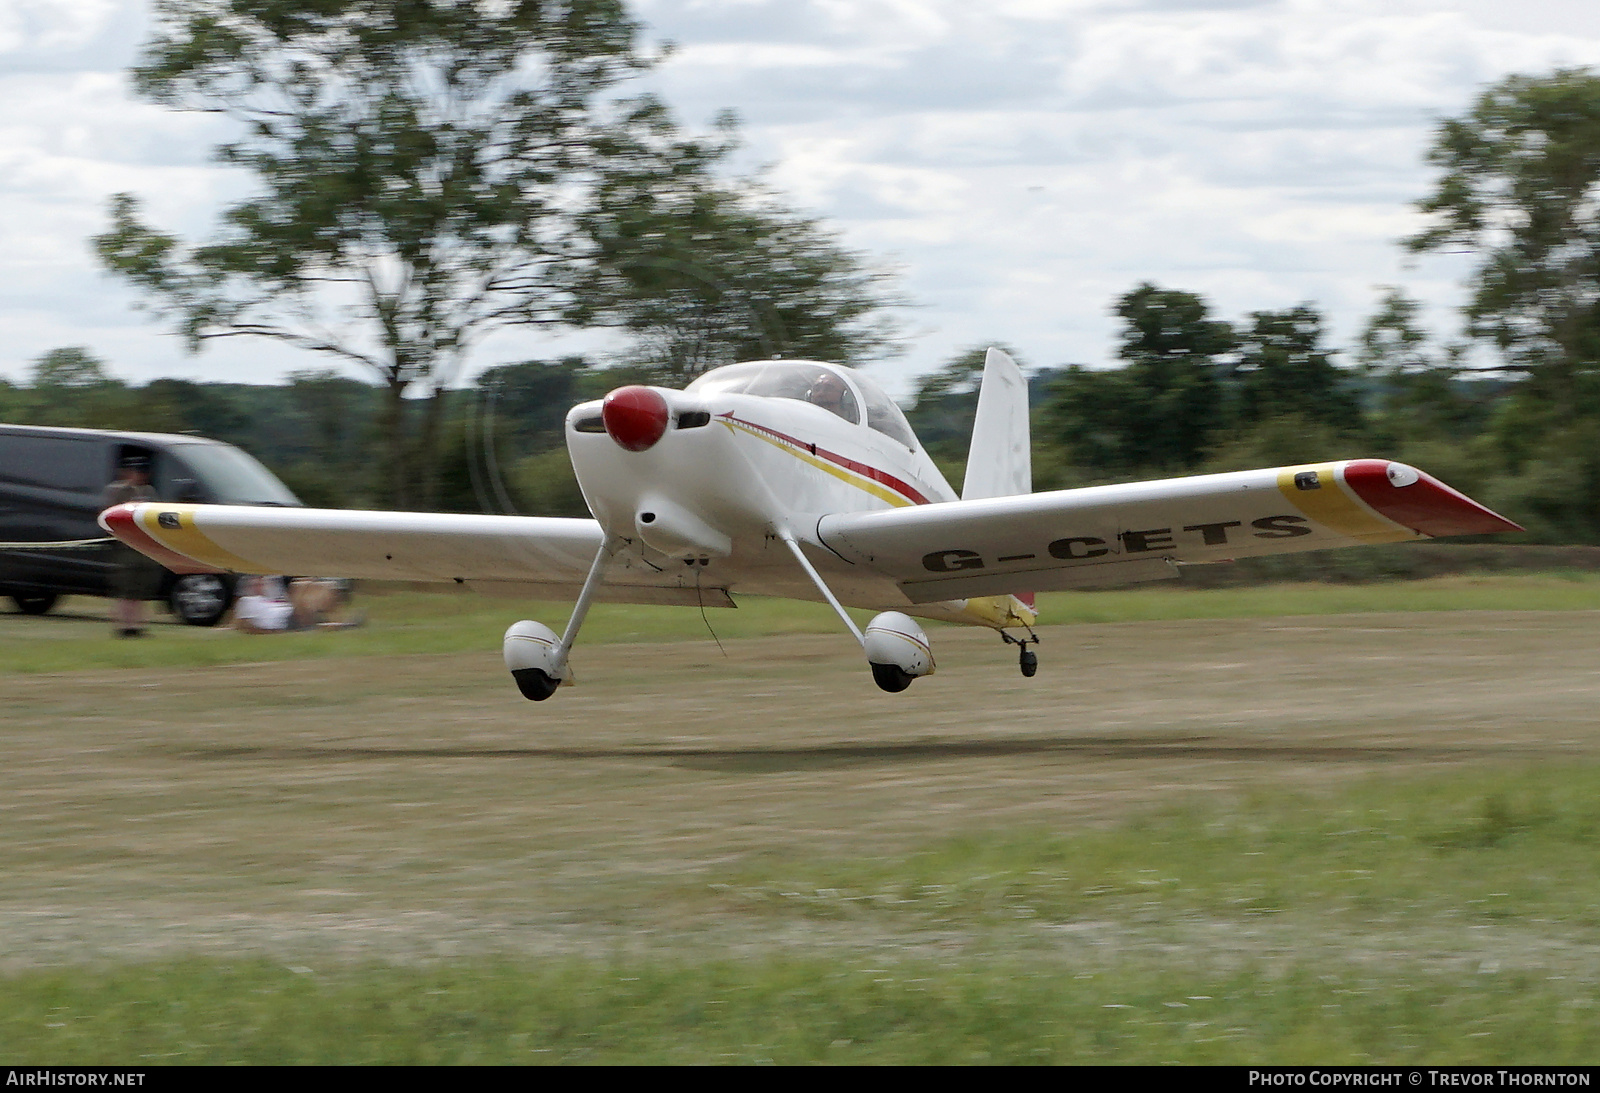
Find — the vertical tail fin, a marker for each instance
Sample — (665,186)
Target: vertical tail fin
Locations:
(1000,461)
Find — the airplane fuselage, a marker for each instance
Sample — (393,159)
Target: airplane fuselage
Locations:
(711,477)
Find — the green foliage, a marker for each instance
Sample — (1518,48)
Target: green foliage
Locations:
(1197,394)
(526,403)
(1518,186)
(418,167)
(428,172)
(1520,174)
(73,367)
(706,272)
(1160,410)
(71,387)
(1284,369)
(545,485)
(1172,347)
(1554,493)
(1282,440)
(945,403)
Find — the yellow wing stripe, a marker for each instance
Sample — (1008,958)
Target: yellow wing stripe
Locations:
(1332,506)
(187,539)
(861,482)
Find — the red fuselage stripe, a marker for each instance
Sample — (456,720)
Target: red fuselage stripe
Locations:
(901,487)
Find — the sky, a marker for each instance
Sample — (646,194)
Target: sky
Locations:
(1017,165)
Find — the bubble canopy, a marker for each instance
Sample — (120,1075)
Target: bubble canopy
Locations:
(833,387)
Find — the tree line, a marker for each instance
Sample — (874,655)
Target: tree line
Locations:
(1194,394)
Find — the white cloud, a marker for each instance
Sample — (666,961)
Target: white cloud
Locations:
(30,26)
(1266,153)
(1023,162)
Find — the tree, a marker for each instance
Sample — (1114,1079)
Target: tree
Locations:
(1161,410)
(513,411)
(421,166)
(945,404)
(72,367)
(1520,186)
(705,272)
(71,387)
(177,405)
(1284,369)
(526,403)
(1415,391)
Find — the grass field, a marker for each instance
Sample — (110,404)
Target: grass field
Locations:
(429,622)
(1288,824)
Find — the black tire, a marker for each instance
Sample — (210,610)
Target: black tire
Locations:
(891,677)
(534,684)
(37,603)
(1029,662)
(200,599)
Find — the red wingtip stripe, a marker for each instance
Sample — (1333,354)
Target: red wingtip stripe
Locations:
(1423,504)
(120,522)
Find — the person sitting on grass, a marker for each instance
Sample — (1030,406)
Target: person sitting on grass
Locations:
(263,608)
(310,604)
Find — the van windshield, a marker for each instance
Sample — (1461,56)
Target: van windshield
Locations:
(231,477)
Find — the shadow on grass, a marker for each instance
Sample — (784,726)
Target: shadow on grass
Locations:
(762,760)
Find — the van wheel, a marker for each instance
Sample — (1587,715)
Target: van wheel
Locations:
(35,605)
(200,599)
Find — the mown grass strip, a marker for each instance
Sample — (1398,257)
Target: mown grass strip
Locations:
(1376,897)
(806,1010)
(1470,849)
(408,623)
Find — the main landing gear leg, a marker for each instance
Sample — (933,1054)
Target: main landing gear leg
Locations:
(897,649)
(536,658)
(1027,659)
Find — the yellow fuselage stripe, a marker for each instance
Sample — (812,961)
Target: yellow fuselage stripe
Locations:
(860,482)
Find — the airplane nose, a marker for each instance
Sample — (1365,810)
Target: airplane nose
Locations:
(635,417)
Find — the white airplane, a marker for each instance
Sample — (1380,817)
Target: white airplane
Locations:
(803,479)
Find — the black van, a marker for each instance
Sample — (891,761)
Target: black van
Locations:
(52,485)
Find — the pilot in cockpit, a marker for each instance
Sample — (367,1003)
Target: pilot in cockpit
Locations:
(829,392)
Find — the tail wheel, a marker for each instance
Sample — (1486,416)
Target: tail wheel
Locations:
(35,605)
(1027,659)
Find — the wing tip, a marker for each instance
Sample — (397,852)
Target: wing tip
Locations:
(1417,500)
(122,521)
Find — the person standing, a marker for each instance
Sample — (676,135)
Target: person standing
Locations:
(130,579)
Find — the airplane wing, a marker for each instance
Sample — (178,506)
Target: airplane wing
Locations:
(1143,531)
(535,556)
